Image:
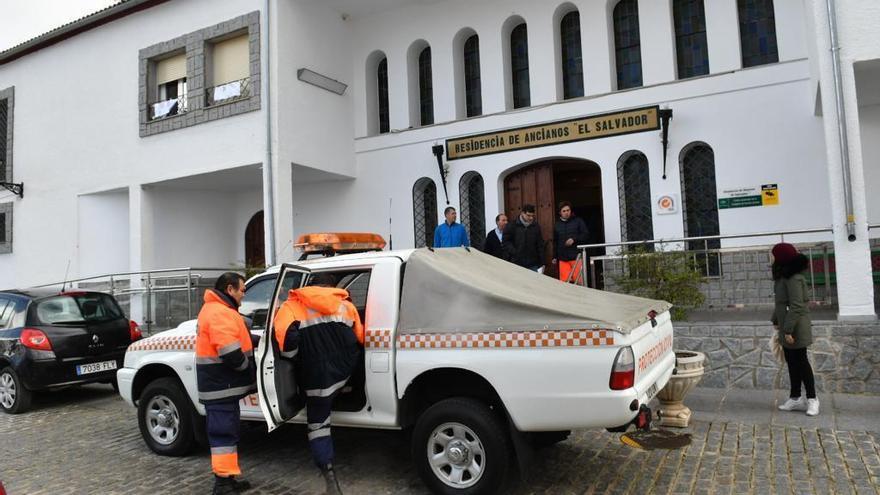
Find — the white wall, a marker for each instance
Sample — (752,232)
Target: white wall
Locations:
(869,118)
(76,130)
(102,227)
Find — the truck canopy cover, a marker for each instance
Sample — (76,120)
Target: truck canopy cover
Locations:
(453,290)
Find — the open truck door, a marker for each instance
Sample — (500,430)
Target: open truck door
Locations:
(279,395)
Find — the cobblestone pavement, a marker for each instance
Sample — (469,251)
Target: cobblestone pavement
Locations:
(87,441)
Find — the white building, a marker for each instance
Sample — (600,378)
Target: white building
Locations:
(142,133)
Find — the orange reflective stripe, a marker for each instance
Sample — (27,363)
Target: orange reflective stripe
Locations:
(225,464)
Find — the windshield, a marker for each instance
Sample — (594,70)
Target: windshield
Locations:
(78,308)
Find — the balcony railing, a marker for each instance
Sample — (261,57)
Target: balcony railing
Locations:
(167,108)
(228,92)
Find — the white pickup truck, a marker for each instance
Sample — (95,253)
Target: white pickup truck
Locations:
(479,358)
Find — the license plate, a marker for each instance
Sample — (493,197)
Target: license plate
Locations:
(652,391)
(85,369)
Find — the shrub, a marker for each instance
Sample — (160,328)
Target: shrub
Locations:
(672,276)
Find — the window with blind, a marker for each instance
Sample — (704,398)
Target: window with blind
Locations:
(230,70)
(170,87)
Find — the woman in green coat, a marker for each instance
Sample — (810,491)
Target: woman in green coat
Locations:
(791,317)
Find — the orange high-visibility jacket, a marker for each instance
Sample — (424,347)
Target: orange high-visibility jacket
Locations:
(225,368)
(310,305)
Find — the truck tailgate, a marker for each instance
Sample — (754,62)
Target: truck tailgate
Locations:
(652,347)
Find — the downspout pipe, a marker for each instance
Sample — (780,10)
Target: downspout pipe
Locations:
(268,187)
(843,138)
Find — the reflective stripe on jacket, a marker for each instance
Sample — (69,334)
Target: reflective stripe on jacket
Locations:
(321,329)
(225,369)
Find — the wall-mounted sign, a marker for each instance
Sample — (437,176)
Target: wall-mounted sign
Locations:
(744,197)
(667,204)
(566,131)
(770,194)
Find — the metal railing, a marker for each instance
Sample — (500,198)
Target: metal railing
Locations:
(175,106)
(155,298)
(228,92)
(712,259)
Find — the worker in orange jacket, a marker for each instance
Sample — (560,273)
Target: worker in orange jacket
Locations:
(225,372)
(319,326)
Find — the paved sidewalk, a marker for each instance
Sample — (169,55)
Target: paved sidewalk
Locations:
(86,441)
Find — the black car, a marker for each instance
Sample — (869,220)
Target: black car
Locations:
(51,339)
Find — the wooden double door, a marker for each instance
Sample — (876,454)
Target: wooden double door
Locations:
(544,184)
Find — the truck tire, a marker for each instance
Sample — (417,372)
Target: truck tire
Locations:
(460,446)
(166,418)
(14,398)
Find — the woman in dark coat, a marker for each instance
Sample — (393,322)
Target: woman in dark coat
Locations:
(791,317)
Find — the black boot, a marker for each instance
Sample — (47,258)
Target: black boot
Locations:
(224,486)
(240,484)
(331,481)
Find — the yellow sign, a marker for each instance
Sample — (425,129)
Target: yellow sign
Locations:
(769,195)
(598,126)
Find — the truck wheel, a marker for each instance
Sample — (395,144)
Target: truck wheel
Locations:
(166,418)
(14,398)
(460,447)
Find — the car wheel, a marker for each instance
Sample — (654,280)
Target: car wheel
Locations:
(166,418)
(14,398)
(460,447)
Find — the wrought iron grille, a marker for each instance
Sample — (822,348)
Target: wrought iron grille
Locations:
(3,228)
(228,92)
(519,66)
(472,90)
(757,32)
(627,44)
(691,50)
(4,122)
(179,105)
(424,212)
(426,92)
(634,190)
(572,62)
(473,207)
(382,97)
(700,203)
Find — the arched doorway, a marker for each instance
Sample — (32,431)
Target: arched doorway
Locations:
(546,183)
(254,242)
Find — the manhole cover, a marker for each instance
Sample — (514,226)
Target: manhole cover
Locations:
(656,439)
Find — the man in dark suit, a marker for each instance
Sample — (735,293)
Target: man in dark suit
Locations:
(495,237)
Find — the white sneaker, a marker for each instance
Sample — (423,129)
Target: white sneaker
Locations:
(812,407)
(798,404)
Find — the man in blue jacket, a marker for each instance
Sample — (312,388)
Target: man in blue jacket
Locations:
(450,233)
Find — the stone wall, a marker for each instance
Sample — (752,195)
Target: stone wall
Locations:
(844,356)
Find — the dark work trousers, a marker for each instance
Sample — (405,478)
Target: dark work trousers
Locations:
(224,428)
(320,441)
(800,372)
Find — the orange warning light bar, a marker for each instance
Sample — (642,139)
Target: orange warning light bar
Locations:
(340,242)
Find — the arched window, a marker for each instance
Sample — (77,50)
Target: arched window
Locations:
(519,66)
(700,202)
(572,62)
(426,92)
(382,97)
(472,90)
(634,189)
(757,32)
(691,50)
(424,212)
(627,44)
(473,208)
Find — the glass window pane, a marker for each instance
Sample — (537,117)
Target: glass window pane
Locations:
(424,212)
(426,92)
(634,189)
(627,44)
(757,32)
(572,62)
(700,203)
(519,63)
(473,208)
(692,51)
(472,91)
(382,83)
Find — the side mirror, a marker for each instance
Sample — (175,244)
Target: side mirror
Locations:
(259,317)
